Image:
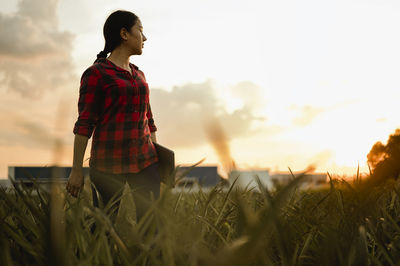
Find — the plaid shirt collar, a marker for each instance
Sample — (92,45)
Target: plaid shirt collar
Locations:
(110,65)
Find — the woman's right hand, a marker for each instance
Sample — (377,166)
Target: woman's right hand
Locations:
(75,182)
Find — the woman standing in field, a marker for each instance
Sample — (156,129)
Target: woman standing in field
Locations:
(114,106)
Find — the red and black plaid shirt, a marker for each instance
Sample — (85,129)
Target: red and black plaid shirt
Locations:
(115,105)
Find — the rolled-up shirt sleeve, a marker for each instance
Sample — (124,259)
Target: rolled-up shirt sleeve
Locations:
(88,105)
(152,126)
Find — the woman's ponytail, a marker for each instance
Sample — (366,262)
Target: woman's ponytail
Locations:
(102,54)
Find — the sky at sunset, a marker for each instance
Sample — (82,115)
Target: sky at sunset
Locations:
(291,83)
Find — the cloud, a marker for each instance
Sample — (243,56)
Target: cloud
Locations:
(28,140)
(26,131)
(35,56)
(182,113)
(250,93)
(307,114)
(322,159)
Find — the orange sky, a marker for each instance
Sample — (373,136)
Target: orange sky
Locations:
(291,83)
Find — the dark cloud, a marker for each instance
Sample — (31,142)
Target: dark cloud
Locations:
(181,114)
(35,56)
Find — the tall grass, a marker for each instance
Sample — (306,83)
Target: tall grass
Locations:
(349,223)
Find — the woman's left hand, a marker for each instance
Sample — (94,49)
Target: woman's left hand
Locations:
(75,182)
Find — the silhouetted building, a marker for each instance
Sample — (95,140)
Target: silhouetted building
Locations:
(247,179)
(315,180)
(200,176)
(40,174)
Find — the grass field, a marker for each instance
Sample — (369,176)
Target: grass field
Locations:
(349,223)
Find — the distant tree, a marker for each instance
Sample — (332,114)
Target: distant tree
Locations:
(384,160)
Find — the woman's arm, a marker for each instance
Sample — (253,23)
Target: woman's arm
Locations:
(84,126)
(153,136)
(75,180)
(151,124)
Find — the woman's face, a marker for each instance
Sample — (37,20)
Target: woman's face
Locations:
(135,38)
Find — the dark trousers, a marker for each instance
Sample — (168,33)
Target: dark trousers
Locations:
(145,185)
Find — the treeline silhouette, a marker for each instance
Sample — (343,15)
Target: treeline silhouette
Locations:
(384,160)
